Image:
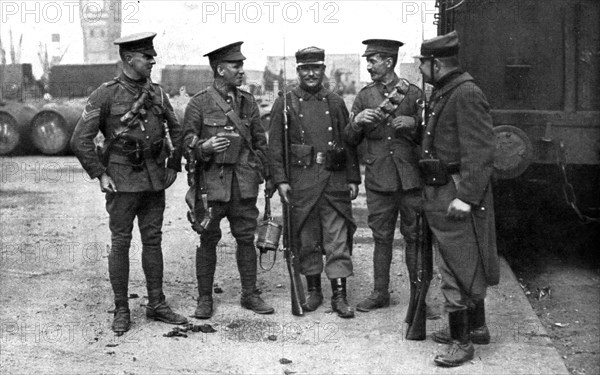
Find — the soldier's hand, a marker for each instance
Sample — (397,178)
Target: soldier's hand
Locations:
(269,189)
(285,190)
(369,116)
(403,122)
(214,145)
(353,190)
(107,185)
(170,176)
(458,209)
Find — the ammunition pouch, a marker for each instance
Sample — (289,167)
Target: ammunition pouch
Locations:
(436,173)
(301,155)
(335,158)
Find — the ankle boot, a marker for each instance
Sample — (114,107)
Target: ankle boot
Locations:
(478,329)
(315,294)
(122,319)
(339,304)
(460,350)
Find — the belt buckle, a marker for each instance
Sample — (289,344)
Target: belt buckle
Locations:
(320,158)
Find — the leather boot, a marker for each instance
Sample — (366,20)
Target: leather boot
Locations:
(478,330)
(339,304)
(204,309)
(460,350)
(158,309)
(251,300)
(315,294)
(375,300)
(122,319)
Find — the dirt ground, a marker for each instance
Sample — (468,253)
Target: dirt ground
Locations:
(55,298)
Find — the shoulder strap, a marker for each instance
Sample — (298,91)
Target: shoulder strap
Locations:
(230,113)
(295,103)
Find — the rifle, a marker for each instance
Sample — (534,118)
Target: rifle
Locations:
(289,250)
(416,316)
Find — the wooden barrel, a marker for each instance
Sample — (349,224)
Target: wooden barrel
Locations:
(53,125)
(15,119)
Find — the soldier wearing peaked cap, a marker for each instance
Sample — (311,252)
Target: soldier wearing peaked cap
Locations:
(231,166)
(392,178)
(320,192)
(135,165)
(457,155)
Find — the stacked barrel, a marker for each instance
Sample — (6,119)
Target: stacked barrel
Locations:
(44,127)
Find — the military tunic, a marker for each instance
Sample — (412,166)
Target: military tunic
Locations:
(459,132)
(232,189)
(392,176)
(321,204)
(136,164)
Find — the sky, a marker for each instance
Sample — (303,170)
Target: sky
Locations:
(189,29)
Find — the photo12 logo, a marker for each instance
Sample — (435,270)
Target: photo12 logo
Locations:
(271,11)
(71,11)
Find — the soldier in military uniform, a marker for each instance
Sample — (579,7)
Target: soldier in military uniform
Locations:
(392,178)
(136,118)
(458,150)
(231,176)
(319,190)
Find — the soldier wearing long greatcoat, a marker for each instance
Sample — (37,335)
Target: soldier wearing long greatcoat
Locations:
(457,156)
(324,178)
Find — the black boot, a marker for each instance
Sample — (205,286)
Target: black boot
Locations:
(204,309)
(315,294)
(478,330)
(122,319)
(339,304)
(460,350)
(158,309)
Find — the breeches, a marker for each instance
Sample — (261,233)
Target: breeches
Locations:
(123,208)
(242,215)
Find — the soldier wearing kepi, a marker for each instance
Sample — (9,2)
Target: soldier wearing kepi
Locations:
(223,133)
(458,149)
(324,179)
(392,177)
(140,129)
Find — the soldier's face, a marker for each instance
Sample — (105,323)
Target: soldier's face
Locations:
(311,76)
(425,69)
(378,67)
(232,72)
(141,64)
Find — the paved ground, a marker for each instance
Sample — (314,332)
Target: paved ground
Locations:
(55,296)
